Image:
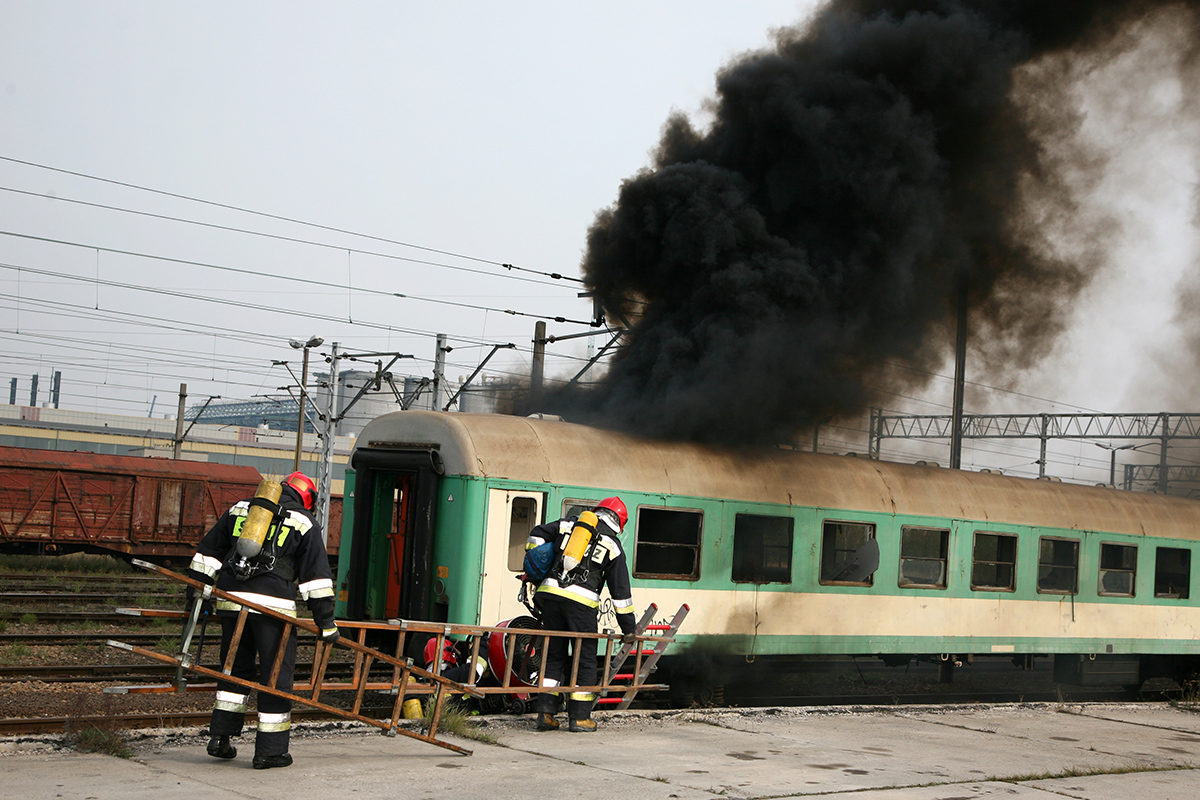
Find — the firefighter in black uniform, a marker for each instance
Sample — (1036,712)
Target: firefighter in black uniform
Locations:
(292,560)
(569,599)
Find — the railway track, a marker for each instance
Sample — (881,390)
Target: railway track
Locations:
(175,719)
(130,673)
(66,598)
(9,578)
(81,617)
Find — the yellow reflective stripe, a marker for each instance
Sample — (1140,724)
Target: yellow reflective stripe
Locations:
(586,697)
(274,603)
(590,599)
(274,723)
(299,522)
(623,606)
(205,565)
(231,701)
(320,587)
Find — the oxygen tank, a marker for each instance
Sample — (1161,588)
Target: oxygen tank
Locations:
(263,509)
(581,537)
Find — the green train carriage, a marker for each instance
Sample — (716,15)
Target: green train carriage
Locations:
(774,549)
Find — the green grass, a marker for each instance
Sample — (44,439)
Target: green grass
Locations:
(1086,772)
(74,562)
(28,618)
(14,653)
(98,740)
(457,720)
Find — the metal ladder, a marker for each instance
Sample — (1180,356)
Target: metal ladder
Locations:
(645,660)
(403,670)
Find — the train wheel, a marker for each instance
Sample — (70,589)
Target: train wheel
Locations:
(682,696)
(710,696)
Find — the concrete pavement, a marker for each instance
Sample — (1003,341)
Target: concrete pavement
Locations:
(1018,752)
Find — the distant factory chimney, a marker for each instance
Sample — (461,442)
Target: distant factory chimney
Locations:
(33,391)
(55,385)
(12,392)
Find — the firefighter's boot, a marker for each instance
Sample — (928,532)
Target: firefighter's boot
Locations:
(266,762)
(219,747)
(580,712)
(546,722)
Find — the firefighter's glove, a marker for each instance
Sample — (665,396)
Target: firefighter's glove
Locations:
(330,635)
(628,638)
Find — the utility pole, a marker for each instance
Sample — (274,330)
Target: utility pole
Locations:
(537,371)
(178,449)
(313,341)
(12,392)
(439,372)
(325,465)
(33,391)
(55,385)
(960,372)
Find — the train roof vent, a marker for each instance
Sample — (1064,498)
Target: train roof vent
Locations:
(991,472)
(1049,478)
(927,463)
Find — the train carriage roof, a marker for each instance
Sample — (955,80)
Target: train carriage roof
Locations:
(561,453)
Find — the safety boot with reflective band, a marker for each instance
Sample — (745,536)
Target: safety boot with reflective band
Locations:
(580,712)
(546,722)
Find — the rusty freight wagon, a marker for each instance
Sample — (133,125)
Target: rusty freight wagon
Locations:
(62,501)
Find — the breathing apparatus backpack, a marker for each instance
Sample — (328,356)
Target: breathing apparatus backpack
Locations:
(568,565)
(248,556)
(573,565)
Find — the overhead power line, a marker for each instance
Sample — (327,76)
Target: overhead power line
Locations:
(291,220)
(291,239)
(241,271)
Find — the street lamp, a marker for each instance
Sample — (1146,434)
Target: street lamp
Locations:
(313,341)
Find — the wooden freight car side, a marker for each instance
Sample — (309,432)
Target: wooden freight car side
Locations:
(52,500)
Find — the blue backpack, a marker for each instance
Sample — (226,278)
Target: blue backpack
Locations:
(538,562)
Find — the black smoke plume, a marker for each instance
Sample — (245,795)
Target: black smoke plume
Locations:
(805,253)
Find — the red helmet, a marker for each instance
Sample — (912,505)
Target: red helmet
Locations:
(304,486)
(431,651)
(615,505)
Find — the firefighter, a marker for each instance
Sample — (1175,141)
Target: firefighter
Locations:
(291,560)
(569,598)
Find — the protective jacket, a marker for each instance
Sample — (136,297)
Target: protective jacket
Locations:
(293,561)
(604,565)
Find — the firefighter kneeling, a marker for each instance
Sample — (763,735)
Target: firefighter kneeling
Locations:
(588,557)
(265,552)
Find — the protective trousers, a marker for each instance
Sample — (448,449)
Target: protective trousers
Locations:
(561,614)
(260,639)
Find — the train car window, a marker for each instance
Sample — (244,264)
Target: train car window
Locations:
(1118,569)
(1058,566)
(1172,573)
(668,544)
(845,548)
(521,520)
(573,507)
(762,549)
(923,554)
(994,562)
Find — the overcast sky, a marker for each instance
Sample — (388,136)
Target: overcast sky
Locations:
(454,137)
(491,132)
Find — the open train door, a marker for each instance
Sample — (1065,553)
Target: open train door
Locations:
(390,564)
